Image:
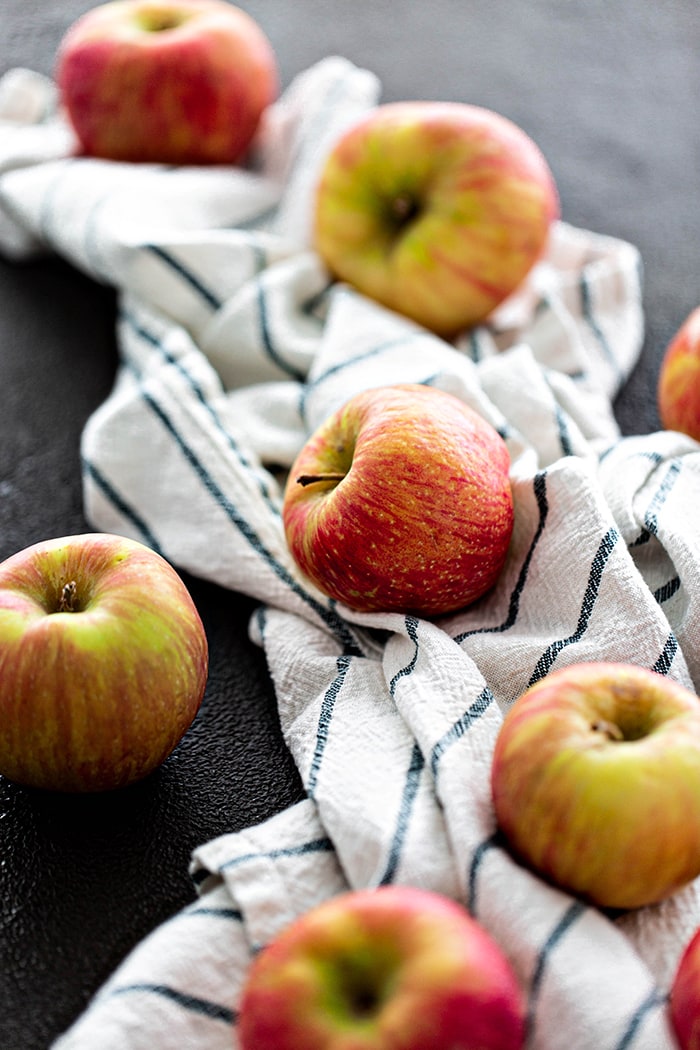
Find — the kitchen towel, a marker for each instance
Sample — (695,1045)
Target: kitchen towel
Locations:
(234,344)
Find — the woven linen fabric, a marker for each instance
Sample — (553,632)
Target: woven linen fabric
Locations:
(234,345)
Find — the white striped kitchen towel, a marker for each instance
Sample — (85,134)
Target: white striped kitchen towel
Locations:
(234,344)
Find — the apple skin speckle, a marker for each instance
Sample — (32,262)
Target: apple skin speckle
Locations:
(422,517)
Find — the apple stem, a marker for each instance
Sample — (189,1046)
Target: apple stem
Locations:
(404,207)
(612,731)
(68,595)
(311,479)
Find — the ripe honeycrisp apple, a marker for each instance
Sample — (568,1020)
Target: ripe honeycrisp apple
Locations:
(678,390)
(684,999)
(438,210)
(396,967)
(596,782)
(103,662)
(169,81)
(401,501)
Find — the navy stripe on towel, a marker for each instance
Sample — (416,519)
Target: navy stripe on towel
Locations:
(460,727)
(479,853)
(654,1001)
(267,341)
(187,275)
(412,632)
(570,916)
(662,594)
(540,489)
(663,664)
(327,705)
(651,516)
(321,845)
(590,318)
(330,618)
(606,547)
(413,775)
(124,508)
(215,1011)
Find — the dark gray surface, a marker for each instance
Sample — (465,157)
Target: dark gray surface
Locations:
(610,91)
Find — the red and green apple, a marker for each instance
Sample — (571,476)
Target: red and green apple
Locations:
(684,998)
(678,389)
(437,210)
(596,782)
(395,967)
(103,662)
(401,501)
(167,81)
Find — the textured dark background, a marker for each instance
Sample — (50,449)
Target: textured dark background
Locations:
(610,91)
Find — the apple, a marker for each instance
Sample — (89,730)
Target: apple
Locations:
(596,782)
(401,501)
(678,388)
(166,81)
(393,968)
(437,210)
(103,662)
(684,998)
